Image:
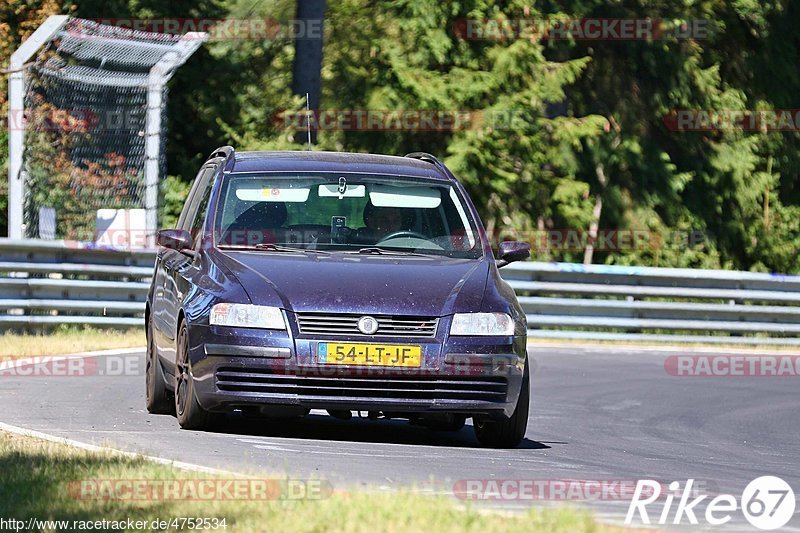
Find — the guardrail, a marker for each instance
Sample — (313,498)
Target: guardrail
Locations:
(44,283)
(47,283)
(600,302)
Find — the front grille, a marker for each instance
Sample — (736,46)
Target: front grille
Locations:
(388,326)
(467,388)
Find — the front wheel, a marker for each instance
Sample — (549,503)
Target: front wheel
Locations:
(191,414)
(508,432)
(157,397)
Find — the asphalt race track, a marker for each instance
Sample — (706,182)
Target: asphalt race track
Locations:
(597,414)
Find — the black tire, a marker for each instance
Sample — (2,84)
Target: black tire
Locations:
(509,432)
(189,412)
(157,396)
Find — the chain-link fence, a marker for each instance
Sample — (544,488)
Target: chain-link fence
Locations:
(90,114)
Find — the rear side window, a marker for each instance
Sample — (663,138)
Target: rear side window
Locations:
(183,223)
(196,207)
(200,215)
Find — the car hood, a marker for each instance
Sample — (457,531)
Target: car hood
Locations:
(345,283)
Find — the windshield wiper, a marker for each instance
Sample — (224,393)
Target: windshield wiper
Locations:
(270,247)
(277,248)
(375,250)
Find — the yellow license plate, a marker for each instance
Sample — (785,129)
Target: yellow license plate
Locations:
(340,353)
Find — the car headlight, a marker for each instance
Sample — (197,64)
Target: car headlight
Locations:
(482,324)
(247,316)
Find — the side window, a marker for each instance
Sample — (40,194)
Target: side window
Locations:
(189,197)
(200,215)
(198,190)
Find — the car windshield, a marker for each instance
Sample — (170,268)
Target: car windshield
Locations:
(350,213)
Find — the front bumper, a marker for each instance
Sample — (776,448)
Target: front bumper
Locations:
(240,369)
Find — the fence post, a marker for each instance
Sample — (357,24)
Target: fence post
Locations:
(160,73)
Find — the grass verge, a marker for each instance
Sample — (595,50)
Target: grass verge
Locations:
(68,340)
(38,476)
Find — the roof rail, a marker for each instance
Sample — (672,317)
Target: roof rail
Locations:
(428,158)
(222,151)
(225,152)
(423,156)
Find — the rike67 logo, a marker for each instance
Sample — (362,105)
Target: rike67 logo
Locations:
(767,502)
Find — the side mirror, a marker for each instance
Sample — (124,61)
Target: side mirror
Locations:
(174,239)
(511,251)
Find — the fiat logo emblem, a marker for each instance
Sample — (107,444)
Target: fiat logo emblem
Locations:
(367,325)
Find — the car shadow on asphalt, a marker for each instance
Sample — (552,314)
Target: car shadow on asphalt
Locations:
(321,427)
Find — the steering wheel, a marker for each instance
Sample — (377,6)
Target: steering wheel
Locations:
(404,233)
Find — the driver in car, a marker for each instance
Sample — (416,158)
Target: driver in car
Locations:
(382,221)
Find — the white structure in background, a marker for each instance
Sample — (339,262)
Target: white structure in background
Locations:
(47,223)
(122,229)
(104,45)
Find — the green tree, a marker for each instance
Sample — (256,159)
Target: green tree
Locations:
(732,185)
(518,162)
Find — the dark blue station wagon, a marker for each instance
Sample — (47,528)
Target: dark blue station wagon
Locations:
(337,281)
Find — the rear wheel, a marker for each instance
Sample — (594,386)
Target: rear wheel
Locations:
(191,414)
(157,396)
(508,432)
